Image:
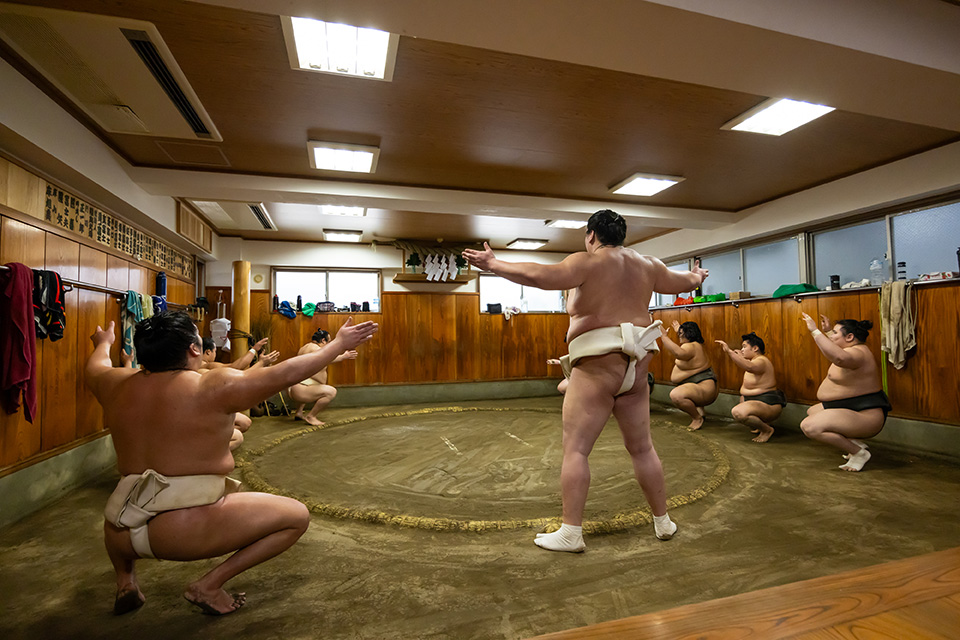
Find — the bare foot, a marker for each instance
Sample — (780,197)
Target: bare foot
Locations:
(764,434)
(312,421)
(298,416)
(217,603)
(695,424)
(129,598)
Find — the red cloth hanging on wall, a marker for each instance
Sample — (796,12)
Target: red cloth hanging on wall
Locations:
(18,345)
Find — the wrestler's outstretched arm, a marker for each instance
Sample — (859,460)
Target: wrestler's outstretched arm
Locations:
(739,360)
(846,358)
(233,390)
(99,367)
(673,282)
(567,274)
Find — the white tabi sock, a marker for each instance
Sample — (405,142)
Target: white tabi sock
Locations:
(664,527)
(566,538)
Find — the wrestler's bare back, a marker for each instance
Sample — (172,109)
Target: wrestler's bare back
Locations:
(617,285)
(167,422)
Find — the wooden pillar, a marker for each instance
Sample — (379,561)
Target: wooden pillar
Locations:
(240,307)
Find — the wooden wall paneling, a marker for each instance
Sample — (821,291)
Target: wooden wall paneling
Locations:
(25,191)
(284,335)
(468,336)
(559,324)
(417,311)
(59,376)
(535,344)
(512,346)
(712,323)
(767,322)
(801,357)
(141,279)
(491,352)
(736,322)
(92,312)
(443,336)
(931,377)
(22,243)
(180,291)
(4,181)
(368,367)
(397,352)
(840,306)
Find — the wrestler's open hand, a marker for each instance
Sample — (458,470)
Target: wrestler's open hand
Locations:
(352,335)
(101,336)
(126,359)
(269,358)
(703,273)
(811,325)
(480,259)
(347,355)
(724,346)
(259,344)
(676,326)
(825,325)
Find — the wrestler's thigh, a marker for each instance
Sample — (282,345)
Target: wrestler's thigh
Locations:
(303,394)
(632,410)
(702,393)
(233,522)
(815,409)
(762,410)
(852,424)
(588,401)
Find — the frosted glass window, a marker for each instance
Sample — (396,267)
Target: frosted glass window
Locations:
(310,285)
(724,273)
(848,252)
(927,240)
(354,286)
(497,290)
(771,265)
(339,287)
(540,300)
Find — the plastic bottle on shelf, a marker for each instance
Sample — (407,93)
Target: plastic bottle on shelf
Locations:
(876,273)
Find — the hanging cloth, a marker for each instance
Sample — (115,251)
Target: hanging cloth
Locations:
(130,315)
(898,324)
(146,305)
(18,357)
(48,311)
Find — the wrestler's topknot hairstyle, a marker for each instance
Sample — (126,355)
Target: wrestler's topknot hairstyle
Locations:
(320,335)
(162,340)
(691,331)
(610,227)
(754,340)
(209,344)
(859,328)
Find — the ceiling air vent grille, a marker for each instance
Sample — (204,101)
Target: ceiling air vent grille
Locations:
(262,216)
(140,41)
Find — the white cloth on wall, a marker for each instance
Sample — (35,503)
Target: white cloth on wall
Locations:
(219,330)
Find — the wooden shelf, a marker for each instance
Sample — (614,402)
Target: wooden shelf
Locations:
(422,277)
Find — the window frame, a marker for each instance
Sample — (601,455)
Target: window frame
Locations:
(326,281)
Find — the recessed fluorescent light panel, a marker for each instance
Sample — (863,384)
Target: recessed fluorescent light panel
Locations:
(338,210)
(526,244)
(775,117)
(341,49)
(212,210)
(566,224)
(645,184)
(337,235)
(332,156)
